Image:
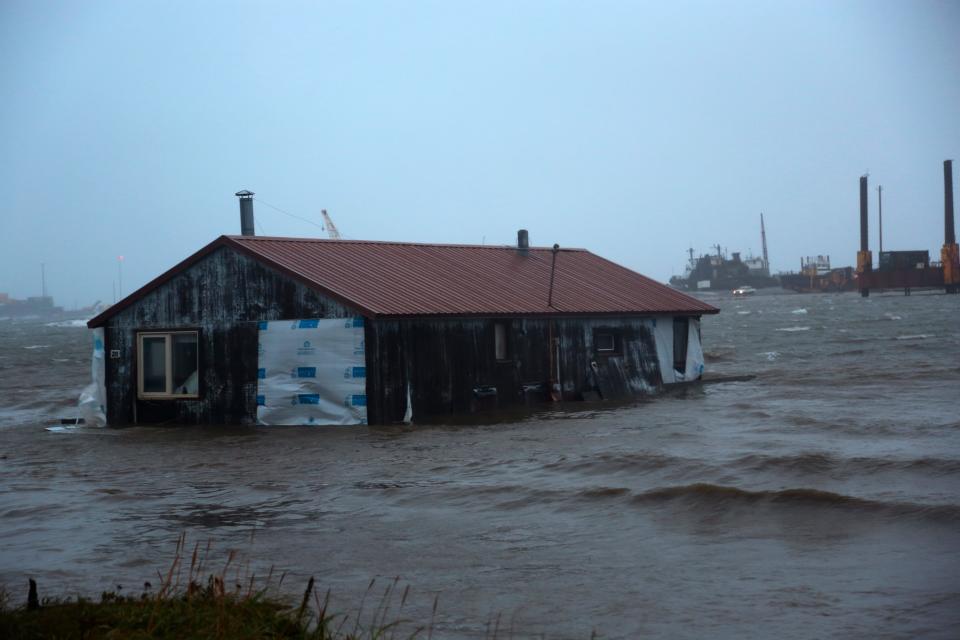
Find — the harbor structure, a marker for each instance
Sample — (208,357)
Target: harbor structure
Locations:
(912,269)
(817,276)
(319,331)
(33,306)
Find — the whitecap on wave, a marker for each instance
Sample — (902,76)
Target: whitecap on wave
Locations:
(69,323)
(794,329)
(799,312)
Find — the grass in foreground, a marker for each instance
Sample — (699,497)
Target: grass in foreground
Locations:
(202,609)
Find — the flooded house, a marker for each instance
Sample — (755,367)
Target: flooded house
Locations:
(270,330)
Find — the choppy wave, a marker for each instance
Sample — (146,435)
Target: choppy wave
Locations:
(719,354)
(808,463)
(702,497)
(614,462)
(78,323)
(824,463)
(725,496)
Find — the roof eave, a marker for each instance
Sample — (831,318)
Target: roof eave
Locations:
(547,314)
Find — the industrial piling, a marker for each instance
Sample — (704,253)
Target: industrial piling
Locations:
(909,270)
(950,253)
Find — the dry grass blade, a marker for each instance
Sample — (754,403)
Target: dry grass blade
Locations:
(433,617)
(363,600)
(306,599)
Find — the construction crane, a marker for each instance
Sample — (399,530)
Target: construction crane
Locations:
(763,239)
(331,228)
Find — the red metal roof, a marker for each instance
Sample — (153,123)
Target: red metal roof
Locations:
(409,279)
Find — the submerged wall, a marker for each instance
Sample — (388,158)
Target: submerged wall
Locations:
(449,366)
(223,297)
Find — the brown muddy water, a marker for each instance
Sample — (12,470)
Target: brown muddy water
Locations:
(820,499)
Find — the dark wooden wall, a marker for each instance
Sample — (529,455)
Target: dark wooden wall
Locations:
(449,365)
(223,296)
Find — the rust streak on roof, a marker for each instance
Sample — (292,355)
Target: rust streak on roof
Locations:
(402,279)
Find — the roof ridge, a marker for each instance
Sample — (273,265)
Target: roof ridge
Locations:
(402,243)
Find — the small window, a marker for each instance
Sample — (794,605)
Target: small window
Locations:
(500,341)
(168,365)
(681,332)
(606,341)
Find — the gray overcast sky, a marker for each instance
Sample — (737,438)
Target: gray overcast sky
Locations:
(633,129)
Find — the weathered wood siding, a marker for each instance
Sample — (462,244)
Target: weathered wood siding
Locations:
(223,296)
(449,365)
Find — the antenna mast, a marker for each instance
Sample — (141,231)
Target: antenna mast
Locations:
(763,239)
(43,280)
(331,228)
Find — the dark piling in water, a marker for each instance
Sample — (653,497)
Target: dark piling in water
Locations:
(864,259)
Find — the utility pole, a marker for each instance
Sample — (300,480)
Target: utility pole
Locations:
(120,274)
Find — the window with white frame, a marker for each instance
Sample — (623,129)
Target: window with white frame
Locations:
(606,341)
(168,366)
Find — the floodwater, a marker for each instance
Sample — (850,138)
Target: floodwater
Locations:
(819,499)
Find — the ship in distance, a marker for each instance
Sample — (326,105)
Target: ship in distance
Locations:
(718,272)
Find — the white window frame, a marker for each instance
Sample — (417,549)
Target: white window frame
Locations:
(613,342)
(168,363)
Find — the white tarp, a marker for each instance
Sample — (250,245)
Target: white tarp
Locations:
(92,398)
(663,336)
(694,351)
(312,372)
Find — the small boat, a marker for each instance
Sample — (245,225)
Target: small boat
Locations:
(744,291)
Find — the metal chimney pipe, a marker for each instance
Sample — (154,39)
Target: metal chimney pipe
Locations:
(863,214)
(246,212)
(523,241)
(949,237)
